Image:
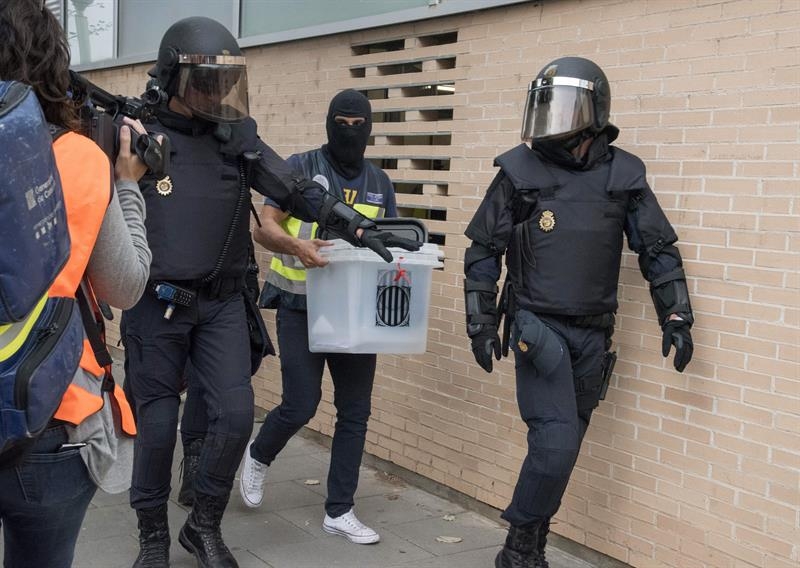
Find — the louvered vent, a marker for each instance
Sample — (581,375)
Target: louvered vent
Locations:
(411,82)
(57,8)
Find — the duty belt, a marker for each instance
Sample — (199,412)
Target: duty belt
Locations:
(602,321)
(217,288)
(507,307)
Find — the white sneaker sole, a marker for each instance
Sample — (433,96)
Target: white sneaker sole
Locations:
(354,539)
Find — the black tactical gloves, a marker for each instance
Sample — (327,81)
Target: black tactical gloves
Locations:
(676,332)
(378,241)
(337,219)
(482,321)
(485,343)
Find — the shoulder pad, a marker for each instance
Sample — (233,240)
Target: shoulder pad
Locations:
(524,168)
(628,172)
(243,138)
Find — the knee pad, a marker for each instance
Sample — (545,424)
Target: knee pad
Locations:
(553,448)
(234,416)
(159,415)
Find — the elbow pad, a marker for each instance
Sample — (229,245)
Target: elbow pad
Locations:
(671,296)
(475,253)
(481,307)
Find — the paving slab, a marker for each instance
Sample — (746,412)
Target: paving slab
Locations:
(285,532)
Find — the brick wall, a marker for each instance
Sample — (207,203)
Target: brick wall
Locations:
(677,470)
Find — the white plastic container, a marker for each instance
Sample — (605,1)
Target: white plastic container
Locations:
(359,303)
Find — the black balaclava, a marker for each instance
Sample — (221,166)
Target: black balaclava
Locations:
(346,144)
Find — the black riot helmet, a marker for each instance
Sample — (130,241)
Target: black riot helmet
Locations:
(569,96)
(200,61)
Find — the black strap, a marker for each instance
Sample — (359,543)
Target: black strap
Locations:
(675,274)
(56,131)
(506,308)
(95,331)
(255,214)
(479,286)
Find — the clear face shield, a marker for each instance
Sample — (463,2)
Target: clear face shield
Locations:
(557,107)
(214,86)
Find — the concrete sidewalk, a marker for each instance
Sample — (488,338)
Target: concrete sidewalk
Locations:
(285,532)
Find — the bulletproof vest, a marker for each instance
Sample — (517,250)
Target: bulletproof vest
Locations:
(566,244)
(190,211)
(366,193)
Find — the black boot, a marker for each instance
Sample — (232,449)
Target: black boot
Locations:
(520,548)
(153,538)
(201,534)
(189,466)
(541,543)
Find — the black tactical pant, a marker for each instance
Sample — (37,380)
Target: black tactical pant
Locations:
(301,373)
(557,409)
(213,332)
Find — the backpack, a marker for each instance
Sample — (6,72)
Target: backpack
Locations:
(41,338)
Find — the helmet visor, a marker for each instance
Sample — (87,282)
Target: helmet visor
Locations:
(215,92)
(556,110)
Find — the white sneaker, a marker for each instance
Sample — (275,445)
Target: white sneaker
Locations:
(351,528)
(251,484)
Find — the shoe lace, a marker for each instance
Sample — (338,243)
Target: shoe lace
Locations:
(255,481)
(353,521)
(213,543)
(153,550)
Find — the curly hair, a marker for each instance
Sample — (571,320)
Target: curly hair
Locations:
(34,50)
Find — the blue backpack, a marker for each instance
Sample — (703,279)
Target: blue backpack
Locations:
(41,338)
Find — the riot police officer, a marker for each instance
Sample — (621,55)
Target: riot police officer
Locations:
(557,210)
(198,227)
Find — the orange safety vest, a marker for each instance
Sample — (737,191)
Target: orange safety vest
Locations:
(85,181)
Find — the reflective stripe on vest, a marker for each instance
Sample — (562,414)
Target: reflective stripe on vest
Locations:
(286,271)
(86,181)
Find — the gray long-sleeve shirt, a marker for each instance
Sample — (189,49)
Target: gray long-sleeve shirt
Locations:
(120,263)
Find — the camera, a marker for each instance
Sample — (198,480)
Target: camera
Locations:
(101,115)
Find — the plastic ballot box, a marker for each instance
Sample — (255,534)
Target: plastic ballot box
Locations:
(358,303)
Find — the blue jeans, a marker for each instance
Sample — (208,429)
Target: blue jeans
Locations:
(301,373)
(43,502)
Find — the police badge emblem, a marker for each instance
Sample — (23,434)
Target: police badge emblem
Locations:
(164,186)
(547,222)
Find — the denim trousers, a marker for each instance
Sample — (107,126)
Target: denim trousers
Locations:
(301,374)
(42,504)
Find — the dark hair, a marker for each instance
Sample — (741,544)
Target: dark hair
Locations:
(34,50)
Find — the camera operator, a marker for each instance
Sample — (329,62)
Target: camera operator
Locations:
(43,499)
(198,227)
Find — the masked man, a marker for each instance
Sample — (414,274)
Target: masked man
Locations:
(340,166)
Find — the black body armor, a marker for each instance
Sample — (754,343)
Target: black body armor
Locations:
(562,231)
